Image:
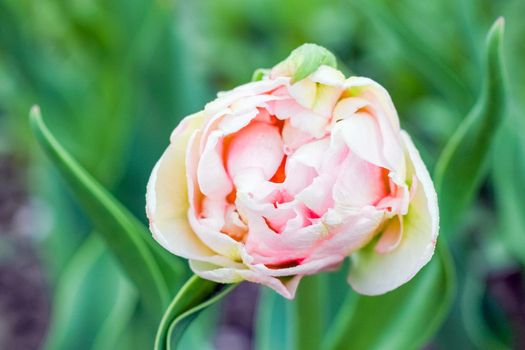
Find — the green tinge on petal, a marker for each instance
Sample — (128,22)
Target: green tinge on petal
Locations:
(305,60)
(260,73)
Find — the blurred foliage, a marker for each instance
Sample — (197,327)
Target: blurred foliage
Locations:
(114,77)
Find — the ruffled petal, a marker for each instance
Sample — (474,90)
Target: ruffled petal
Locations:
(264,244)
(206,215)
(300,117)
(286,286)
(372,273)
(361,134)
(293,138)
(212,177)
(391,236)
(225,99)
(359,183)
(381,108)
(167,196)
(258,145)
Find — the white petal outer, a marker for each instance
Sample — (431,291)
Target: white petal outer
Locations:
(167,197)
(383,109)
(328,76)
(286,286)
(374,274)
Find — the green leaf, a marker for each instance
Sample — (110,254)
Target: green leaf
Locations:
(307,313)
(508,174)
(471,304)
(462,164)
(416,51)
(202,331)
(272,321)
(195,296)
(144,262)
(93,302)
(402,319)
(277,321)
(305,60)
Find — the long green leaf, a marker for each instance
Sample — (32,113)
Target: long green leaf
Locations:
(87,316)
(471,303)
(402,319)
(509,175)
(417,52)
(301,323)
(272,321)
(195,295)
(462,164)
(201,334)
(308,313)
(124,234)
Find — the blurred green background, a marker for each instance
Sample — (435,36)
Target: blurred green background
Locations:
(114,77)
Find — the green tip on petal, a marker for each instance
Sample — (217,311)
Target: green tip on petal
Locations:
(305,60)
(260,73)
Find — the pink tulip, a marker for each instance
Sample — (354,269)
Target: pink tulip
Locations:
(276,179)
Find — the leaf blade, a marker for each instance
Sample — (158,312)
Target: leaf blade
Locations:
(307,313)
(84,315)
(402,319)
(462,164)
(120,229)
(272,321)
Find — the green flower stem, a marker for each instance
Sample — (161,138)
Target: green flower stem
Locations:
(193,297)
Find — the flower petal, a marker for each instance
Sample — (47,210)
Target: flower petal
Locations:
(206,216)
(213,180)
(258,145)
(362,135)
(167,196)
(381,108)
(372,273)
(391,236)
(359,183)
(284,286)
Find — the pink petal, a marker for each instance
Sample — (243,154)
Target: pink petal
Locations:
(359,183)
(382,109)
(372,273)
(267,246)
(225,99)
(391,236)
(298,176)
(258,145)
(242,112)
(219,242)
(213,180)
(362,135)
(206,216)
(313,153)
(349,230)
(318,195)
(285,287)
(293,138)
(300,117)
